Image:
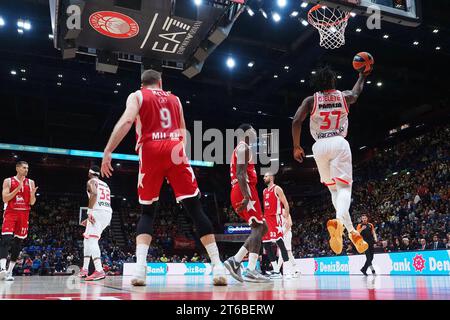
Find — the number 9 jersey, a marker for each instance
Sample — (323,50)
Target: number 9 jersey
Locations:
(162,155)
(329,116)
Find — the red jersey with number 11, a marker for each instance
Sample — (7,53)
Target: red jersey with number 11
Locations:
(329,116)
(252,178)
(159,117)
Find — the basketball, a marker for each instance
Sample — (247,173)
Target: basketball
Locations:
(363,62)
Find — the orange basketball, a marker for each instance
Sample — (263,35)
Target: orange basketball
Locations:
(363,62)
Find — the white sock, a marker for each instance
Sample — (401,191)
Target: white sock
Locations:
(241,254)
(11,266)
(343,200)
(141,254)
(292,258)
(372,268)
(86,262)
(3,264)
(274,266)
(98,264)
(213,253)
(252,258)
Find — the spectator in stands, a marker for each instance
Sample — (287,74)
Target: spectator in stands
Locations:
(423,245)
(195,258)
(164,258)
(436,244)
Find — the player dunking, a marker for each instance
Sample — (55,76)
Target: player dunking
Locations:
(245,201)
(160,134)
(18,194)
(99,217)
(274,203)
(328,109)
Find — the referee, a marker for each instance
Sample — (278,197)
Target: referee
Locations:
(367,231)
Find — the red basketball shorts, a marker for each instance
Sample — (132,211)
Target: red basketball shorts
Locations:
(253,210)
(15,222)
(275,231)
(159,160)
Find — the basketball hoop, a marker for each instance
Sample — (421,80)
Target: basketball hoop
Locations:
(331,23)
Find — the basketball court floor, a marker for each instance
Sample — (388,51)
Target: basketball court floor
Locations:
(200,288)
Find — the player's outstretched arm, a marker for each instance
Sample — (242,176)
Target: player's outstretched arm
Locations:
(352,96)
(121,129)
(300,116)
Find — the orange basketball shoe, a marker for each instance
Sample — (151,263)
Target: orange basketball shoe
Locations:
(336,230)
(360,245)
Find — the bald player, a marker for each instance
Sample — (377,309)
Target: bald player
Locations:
(275,206)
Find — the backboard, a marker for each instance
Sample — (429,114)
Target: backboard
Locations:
(403,12)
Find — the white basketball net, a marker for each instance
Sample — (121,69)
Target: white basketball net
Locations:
(331,24)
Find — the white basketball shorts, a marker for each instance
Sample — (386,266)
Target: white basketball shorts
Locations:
(102,220)
(334,160)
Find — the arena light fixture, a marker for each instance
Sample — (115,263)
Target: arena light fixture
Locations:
(352,14)
(380,84)
(286,67)
(13,72)
(231,63)
(358,29)
(264,14)
(436,31)
(282,3)
(251,64)
(234,108)
(305,23)
(276,17)
(304,4)
(275,76)
(27,25)
(2,22)
(250,12)
(197,2)
(294,14)
(416,43)
(20,31)
(386,36)
(302,81)
(23,70)
(438,48)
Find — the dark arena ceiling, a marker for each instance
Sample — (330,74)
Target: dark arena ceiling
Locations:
(47,101)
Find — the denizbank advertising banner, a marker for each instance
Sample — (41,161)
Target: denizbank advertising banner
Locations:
(401,263)
(187,269)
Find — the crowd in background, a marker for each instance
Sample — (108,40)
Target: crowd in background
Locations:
(404,189)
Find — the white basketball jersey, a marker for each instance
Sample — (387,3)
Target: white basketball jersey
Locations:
(329,116)
(103,196)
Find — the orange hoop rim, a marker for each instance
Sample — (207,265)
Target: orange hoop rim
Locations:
(315,23)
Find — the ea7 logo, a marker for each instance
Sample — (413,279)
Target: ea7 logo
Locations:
(172,22)
(174,35)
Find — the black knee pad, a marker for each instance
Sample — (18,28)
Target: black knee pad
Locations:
(16,246)
(202,223)
(5,245)
(145,224)
(283,250)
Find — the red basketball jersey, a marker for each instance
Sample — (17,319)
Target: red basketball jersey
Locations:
(22,199)
(159,117)
(252,178)
(272,204)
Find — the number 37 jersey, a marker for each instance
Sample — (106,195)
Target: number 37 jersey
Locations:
(329,116)
(159,116)
(103,196)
